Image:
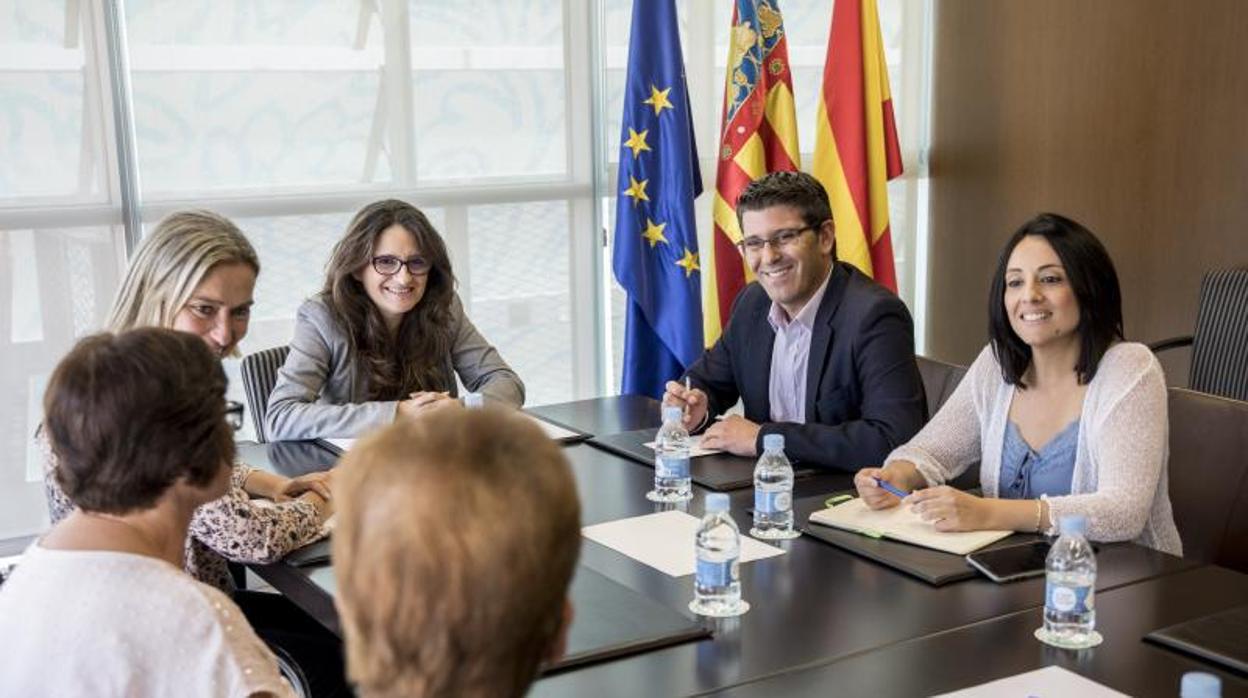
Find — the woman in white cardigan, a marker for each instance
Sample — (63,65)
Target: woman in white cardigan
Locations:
(1063,416)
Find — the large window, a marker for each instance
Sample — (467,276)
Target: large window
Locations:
(499,119)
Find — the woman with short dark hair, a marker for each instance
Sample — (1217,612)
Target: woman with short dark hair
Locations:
(1063,416)
(100,605)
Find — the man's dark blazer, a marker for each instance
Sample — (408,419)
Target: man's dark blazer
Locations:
(864,396)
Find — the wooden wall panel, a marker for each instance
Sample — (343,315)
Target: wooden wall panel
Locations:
(1130,116)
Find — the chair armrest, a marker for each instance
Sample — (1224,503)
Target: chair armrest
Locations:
(1172,343)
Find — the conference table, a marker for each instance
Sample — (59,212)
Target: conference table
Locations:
(824,621)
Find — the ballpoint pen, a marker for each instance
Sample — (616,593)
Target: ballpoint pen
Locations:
(889,487)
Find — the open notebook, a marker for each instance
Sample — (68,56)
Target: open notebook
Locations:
(900,523)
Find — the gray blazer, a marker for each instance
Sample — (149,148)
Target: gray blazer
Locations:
(321,392)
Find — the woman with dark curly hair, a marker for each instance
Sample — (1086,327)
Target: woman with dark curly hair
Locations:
(386,336)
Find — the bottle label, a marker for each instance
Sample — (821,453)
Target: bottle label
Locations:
(717,574)
(669,467)
(774,502)
(1069,599)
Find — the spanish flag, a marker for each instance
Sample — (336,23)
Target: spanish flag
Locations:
(856,150)
(758,135)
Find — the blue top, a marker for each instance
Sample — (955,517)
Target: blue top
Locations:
(1027,474)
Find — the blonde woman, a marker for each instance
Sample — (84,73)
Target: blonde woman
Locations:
(196,273)
(475,609)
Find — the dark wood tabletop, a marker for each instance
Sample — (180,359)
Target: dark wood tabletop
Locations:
(1001,647)
(814,605)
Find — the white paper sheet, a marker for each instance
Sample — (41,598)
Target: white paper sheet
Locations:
(1049,682)
(664,541)
(695,447)
(554,431)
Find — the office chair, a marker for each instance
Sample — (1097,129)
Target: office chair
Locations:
(259,372)
(939,381)
(1209,476)
(1220,341)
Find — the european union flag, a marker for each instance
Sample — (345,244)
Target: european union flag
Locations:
(656,241)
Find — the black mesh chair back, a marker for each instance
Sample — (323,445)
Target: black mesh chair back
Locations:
(1220,341)
(259,371)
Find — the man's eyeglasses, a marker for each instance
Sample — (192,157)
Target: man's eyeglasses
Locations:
(781,240)
(389,265)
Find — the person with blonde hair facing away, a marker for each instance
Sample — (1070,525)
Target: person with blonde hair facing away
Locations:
(456,538)
(385,338)
(1063,416)
(100,605)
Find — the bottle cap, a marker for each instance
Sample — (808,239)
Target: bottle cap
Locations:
(672,413)
(715,502)
(1199,684)
(474,401)
(1073,524)
(773,442)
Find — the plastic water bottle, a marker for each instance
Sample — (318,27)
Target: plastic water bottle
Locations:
(717,584)
(1070,588)
(474,401)
(1200,684)
(773,492)
(671,459)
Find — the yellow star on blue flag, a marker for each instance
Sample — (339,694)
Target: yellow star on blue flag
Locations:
(656,243)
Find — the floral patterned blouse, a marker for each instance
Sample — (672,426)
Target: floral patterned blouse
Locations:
(234,527)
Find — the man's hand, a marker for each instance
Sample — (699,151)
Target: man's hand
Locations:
(734,434)
(691,400)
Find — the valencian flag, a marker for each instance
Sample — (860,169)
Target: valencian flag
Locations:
(656,241)
(758,135)
(856,150)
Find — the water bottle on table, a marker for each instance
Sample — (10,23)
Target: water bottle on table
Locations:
(717,583)
(773,492)
(1070,589)
(1199,684)
(671,459)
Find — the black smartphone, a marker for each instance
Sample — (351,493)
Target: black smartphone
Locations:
(1011,562)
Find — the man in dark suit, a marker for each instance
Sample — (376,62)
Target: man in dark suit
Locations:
(814,348)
